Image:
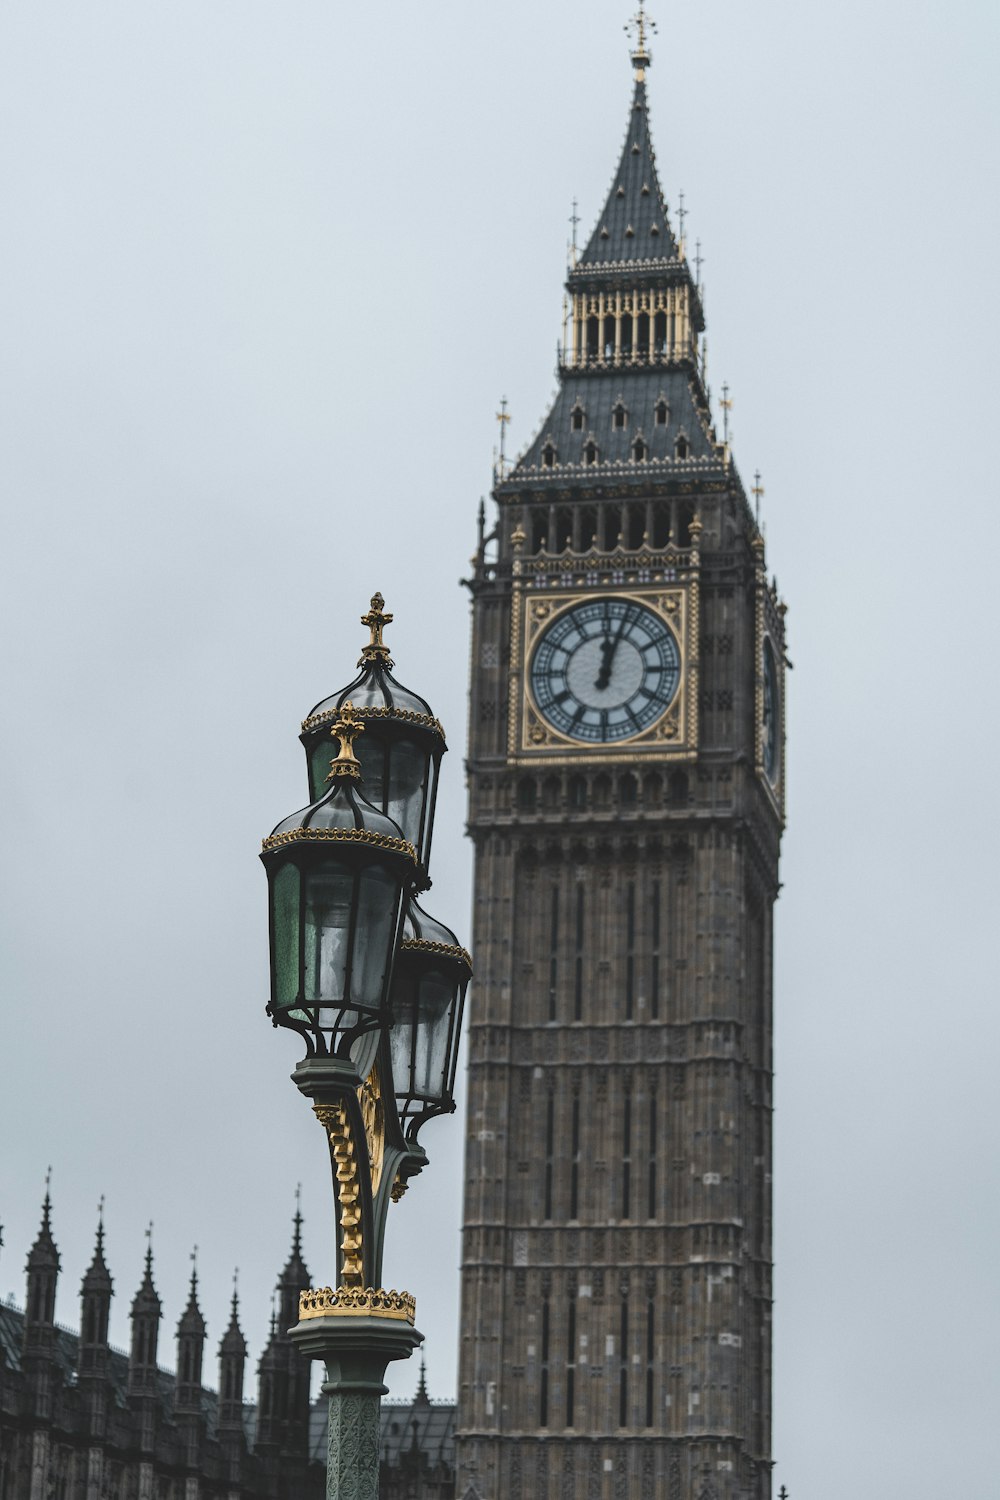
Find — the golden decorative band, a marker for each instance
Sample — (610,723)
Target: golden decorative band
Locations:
(343,835)
(357,1302)
(408,716)
(447,950)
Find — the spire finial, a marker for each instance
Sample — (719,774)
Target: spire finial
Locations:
(500,468)
(725,401)
(100,1226)
(682,214)
(297,1221)
(346,729)
(422,1385)
(376,619)
(47,1200)
(236,1292)
(699,261)
(757,491)
(149,1248)
(574,220)
(194,1273)
(640,26)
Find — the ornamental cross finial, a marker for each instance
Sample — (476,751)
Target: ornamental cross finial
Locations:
(500,468)
(726,402)
(757,491)
(639,25)
(376,620)
(346,729)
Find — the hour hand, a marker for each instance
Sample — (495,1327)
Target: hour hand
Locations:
(607,654)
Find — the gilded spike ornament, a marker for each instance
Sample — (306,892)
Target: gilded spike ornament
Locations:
(346,728)
(376,619)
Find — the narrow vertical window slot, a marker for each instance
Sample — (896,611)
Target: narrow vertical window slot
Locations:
(553,951)
(630,951)
(654,968)
(550,1133)
(543,1392)
(623,1366)
(574,1167)
(650,1367)
(651,1178)
(578,958)
(627,1158)
(570,1357)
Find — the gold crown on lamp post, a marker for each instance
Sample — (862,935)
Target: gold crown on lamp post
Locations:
(346,729)
(376,619)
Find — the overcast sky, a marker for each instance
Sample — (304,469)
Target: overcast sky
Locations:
(265,272)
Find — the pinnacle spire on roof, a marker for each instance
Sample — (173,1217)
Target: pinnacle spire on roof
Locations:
(422,1398)
(146,1299)
(192,1320)
(98,1277)
(43,1252)
(633,226)
(233,1341)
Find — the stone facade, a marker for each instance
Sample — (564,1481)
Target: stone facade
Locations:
(616,1267)
(80,1420)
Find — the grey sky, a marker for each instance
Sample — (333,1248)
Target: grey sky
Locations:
(265,272)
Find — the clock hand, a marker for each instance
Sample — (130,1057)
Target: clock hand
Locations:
(607,653)
(608,649)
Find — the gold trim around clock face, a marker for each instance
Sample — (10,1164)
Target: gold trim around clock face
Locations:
(673,733)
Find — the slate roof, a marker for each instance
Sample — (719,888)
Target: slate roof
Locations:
(634,224)
(640,391)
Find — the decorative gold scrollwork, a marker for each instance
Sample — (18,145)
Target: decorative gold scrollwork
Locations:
(336,1122)
(370,1099)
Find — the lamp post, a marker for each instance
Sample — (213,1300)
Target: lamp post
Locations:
(375,987)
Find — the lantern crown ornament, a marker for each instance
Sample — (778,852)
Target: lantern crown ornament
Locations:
(338,871)
(400,752)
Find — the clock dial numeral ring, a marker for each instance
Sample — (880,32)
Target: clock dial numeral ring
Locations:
(605,671)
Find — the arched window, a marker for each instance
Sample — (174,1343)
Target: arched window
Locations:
(593,338)
(550,793)
(619,416)
(642,334)
(682,447)
(627,335)
(578,417)
(527,794)
(639,451)
(577,792)
(679,789)
(548,456)
(660,333)
(628,790)
(602,791)
(662,413)
(590,452)
(609,338)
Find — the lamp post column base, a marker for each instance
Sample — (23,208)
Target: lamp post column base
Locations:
(356,1352)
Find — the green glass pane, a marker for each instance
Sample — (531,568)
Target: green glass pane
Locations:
(286,935)
(320,760)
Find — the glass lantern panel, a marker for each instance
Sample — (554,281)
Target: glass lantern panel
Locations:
(407,780)
(286,935)
(322,757)
(329,889)
(435,992)
(370,749)
(378,906)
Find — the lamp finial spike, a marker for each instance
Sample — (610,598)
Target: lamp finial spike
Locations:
(376,619)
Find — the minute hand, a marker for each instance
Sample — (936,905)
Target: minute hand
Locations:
(608,649)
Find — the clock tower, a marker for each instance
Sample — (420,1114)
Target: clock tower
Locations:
(626,798)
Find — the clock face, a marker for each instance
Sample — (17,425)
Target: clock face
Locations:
(770,725)
(605,670)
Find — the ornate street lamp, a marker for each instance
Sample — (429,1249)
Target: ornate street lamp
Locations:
(401,751)
(375,987)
